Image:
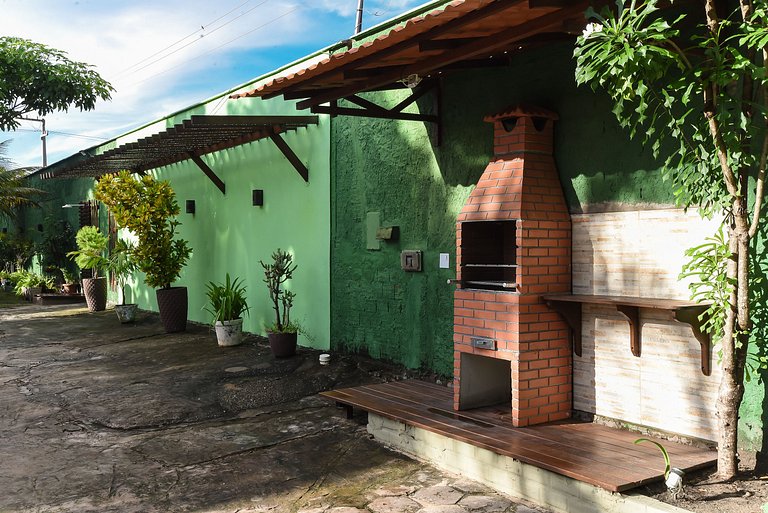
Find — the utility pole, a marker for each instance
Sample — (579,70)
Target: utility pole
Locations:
(43,136)
(359,21)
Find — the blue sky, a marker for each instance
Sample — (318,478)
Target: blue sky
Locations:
(164,55)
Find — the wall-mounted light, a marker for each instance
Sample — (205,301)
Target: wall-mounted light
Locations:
(39,227)
(73,205)
(258,197)
(190,206)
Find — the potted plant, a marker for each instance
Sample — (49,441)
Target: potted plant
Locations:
(6,284)
(227,305)
(282,334)
(92,244)
(71,284)
(29,284)
(148,208)
(121,266)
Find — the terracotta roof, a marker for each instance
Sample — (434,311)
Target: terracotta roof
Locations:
(189,139)
(464,32)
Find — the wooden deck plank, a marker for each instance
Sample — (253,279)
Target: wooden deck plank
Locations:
(563,430)
(592,450)
(595,454)
(517,448)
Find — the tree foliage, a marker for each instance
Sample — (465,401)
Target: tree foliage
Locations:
(35,78)
(697,81)
(91,247)
(148,208)
(14,191)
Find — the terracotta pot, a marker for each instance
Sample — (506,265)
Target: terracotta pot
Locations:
(172,304)
(126,313)
(283,345)
(95,291)
(70,289)
(229,333)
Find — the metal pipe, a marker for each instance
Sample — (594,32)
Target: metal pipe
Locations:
(43,136)
(359,20)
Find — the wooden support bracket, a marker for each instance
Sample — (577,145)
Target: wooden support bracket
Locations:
(368,109)
(571,314)
(632,314)
(692,317)
(290,155)
(208,172)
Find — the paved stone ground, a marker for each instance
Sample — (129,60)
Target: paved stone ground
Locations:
(98,416)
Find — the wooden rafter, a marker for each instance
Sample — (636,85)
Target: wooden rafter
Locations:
(472,49)
(373,59)
(371,110)
(190,139)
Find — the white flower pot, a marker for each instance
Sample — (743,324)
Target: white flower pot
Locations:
(229,333)
(126,313)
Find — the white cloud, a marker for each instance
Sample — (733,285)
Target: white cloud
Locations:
(122,39)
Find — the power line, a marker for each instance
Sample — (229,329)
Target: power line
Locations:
(194,40)
(212,50)
(66,134)
(201,29)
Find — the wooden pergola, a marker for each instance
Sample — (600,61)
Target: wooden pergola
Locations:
(188,140)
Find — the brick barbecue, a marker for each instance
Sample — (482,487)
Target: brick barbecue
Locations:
(513,246)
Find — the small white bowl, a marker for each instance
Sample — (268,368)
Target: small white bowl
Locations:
(325,359)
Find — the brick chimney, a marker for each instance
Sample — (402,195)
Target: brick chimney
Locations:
(513,246)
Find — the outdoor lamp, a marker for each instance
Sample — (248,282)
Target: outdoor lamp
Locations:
(258,197)
(190,206)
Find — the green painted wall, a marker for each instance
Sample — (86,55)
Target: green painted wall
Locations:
(227,233)
(392,168)
(57,194)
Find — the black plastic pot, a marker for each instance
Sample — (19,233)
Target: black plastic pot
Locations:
(283,345)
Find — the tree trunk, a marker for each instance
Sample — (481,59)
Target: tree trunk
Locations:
(734,346)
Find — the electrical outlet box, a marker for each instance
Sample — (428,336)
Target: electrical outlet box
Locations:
(410,260)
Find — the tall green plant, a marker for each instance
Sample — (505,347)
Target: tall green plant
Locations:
(704,91)
(276,273)
(148,208)
(92,245)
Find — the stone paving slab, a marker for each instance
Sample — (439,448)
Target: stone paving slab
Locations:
(96,416)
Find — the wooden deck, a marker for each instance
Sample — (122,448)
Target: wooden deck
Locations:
(587,452)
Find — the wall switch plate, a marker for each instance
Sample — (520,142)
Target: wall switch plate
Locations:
(410,260)
(445,261)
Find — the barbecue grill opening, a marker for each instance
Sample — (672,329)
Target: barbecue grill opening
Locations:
(485,381)
(488,255)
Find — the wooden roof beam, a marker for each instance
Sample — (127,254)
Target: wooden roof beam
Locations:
(488,10)
(483,46)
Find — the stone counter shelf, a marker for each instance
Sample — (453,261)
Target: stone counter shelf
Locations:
(687,312)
